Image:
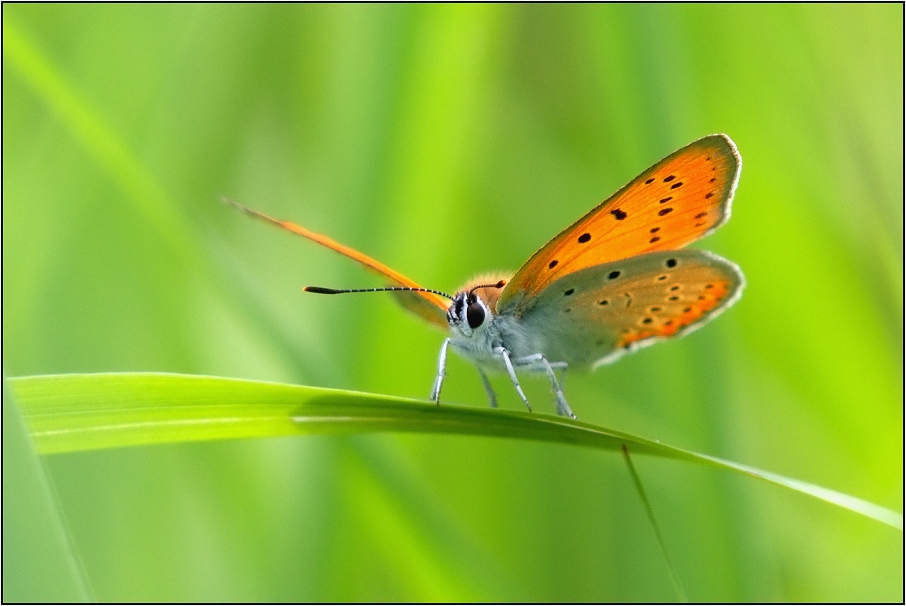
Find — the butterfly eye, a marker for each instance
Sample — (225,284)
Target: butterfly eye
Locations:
(475,314)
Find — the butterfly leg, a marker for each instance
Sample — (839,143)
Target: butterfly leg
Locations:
(503,353)
(441,371)
(539,359)
(562,377)
(487,387)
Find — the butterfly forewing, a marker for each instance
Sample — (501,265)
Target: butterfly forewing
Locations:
(677,201)
(426,305)
(423,307)
(595,315)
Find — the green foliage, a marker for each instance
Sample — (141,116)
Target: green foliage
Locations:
(69,413)
(447,141)
(42,566)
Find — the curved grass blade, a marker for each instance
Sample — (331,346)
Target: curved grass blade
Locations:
(41,563)
(637,481)
(68,413)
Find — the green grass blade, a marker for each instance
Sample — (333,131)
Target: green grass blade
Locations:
(68,413)
(41,564)
(99,139)
(637,481)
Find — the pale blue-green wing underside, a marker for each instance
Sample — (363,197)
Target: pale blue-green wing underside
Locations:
(595,315)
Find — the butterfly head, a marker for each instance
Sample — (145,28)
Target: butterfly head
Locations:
(472,308)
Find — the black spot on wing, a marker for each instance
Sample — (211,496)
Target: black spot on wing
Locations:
(619,214)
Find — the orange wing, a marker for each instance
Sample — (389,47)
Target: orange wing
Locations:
(418,302)
(677,201)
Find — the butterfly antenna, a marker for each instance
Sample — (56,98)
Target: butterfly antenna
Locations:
(499,284)
(332,291)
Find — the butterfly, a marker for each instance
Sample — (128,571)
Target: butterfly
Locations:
(616,280)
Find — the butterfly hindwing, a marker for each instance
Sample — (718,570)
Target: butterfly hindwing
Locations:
(677,201)
(597,314)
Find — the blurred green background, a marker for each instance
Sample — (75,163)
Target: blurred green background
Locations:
(446,141)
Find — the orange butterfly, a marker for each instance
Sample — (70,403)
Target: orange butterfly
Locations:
(612,282)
